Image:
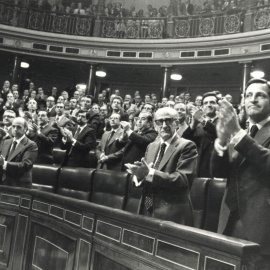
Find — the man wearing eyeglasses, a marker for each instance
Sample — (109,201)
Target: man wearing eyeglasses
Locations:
(243,156)
(50,106)
(167,172)
(110,154)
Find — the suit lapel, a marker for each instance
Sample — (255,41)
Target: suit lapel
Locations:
(115,136)
(169,152)
(82,133)
(18,149)
(6,147)
(261,137)
(104,140)
(153,151)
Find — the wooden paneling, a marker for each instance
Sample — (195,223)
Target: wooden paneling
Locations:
(40,230)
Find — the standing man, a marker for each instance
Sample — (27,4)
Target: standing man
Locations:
(79,143)
(60,117)
(50,103)
(109,153)
(136,142)
(202,131)
(18,156)
(245,161)
(167,172)
(181,109)
(44,135)
(8,118)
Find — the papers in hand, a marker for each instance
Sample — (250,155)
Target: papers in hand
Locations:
(131,169)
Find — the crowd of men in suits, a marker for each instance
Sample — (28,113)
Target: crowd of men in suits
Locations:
(163,145)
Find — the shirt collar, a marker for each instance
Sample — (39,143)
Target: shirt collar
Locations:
(115,130)
(168,142)
(19,140)
(83,127)
(260,124)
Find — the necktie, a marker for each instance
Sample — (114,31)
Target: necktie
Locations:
(148,202)
(110,136)
(12,149)
(253,131)
(77,133)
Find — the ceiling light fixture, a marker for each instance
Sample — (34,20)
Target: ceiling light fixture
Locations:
(175,75)
(257,74)
(24,65)
(100,72)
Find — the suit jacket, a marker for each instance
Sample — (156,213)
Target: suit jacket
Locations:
(204,138)
(134,149)
(248,166)
(77,154)
(172,180)
(20,163)
(52,112)
(112,150)
(45,141)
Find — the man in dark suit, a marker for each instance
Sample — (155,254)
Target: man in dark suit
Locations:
(110,154)
(50,103)
(167,172)
(60,118)
(202,131)
(79,143)
(245,161)
(18,156)
(44,135)
(136,142)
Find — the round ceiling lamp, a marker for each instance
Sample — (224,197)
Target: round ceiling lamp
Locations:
(257,74)
(24,65)
(101,73)
(175,75)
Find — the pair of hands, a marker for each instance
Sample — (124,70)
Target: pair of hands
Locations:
(103,158)
(228,123)
(67,134)
(140,168)
(33,127)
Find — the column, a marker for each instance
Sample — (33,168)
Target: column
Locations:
(166,81)
(24,14)
(15,71)
(90,90)
(246,74)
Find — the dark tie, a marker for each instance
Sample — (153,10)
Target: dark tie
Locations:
(13,147)
(253,131)
(148,202)
(110,136)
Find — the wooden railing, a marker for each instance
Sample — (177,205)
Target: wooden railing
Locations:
(40,230)
(202,25)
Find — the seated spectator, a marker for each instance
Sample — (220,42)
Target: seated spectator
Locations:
(11,104)
(44,135)
(32,109)
(79,143)
(73,107)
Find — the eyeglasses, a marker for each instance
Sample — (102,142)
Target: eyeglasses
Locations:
(114,118)
(168,121)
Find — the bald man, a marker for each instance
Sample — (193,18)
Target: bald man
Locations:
(18,156)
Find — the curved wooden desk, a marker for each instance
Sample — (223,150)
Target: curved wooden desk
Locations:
(40,230)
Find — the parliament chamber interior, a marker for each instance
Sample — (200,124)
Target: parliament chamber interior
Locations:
(86,216)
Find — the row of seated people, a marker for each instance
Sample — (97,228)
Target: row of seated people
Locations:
(116,189)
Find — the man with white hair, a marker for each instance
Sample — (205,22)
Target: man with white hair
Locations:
(166,173)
